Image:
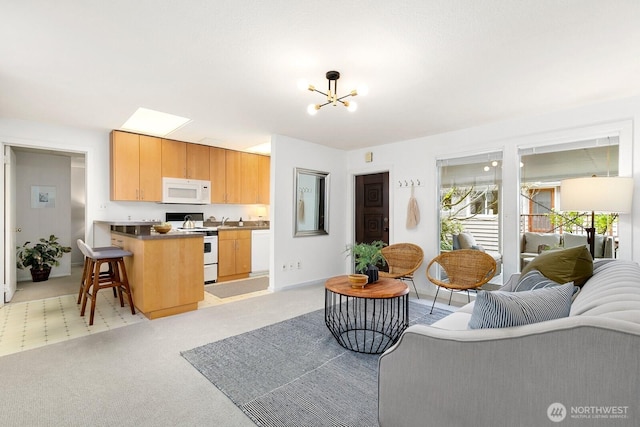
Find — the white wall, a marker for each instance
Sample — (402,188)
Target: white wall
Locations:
(320,256)
(416,159)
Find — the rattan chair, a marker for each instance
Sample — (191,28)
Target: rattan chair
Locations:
(461,270)
(403,260)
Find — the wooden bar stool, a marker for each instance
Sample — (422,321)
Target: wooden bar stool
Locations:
(94,280)
(103,274)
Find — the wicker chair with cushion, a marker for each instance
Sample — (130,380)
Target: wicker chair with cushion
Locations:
(461,270)
(403,260)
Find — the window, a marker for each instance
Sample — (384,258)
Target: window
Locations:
(542,169)
(470,193)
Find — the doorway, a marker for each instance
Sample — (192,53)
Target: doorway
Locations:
(372,208)
(63,175)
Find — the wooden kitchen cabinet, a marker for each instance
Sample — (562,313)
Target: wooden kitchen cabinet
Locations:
(264,178)
(135,162)
(139,162)
(174,159)
(239,177)
(217,172)
(185,160)
(198,162)
(166,275)
(234,254)
(249,178)
(233,176)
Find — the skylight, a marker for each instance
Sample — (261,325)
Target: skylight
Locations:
(153,122)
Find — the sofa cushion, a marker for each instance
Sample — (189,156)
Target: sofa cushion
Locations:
(533,240)
(499,309)
(466,241)
(533,280)
(573,240)
(563,265)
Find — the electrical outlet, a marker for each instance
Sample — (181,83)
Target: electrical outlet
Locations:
(291,266)
(299,264)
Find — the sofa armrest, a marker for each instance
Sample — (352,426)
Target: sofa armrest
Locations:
(509,376)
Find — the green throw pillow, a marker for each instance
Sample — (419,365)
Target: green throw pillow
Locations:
(564,265)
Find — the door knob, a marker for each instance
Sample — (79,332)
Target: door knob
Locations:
(19,230)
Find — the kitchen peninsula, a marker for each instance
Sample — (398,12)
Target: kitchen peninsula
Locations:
(165,272)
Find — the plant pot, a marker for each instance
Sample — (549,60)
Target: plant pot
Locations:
(372,272)
(40,275)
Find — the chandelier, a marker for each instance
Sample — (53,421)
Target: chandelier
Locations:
(332,94)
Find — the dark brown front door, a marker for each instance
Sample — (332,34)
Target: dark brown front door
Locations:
(372,208)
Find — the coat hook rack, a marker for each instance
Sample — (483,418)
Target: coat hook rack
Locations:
(409,183)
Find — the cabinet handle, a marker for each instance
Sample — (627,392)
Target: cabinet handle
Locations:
(141,194)
(137,194)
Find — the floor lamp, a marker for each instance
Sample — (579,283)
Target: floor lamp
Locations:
(596,194)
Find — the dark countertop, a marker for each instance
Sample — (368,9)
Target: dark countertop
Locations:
(128,222)
(244,227)
(158,236)
(233,225)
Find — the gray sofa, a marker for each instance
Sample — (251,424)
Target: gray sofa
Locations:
(531,243)
(580,367)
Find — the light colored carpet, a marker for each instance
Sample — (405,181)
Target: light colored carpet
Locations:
(294,373)
(238,287)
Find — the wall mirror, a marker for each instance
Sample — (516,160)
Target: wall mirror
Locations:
(311,207)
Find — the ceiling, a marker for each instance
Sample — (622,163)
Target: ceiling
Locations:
(232,67)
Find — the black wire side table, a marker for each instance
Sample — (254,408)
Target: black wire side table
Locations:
(366,320)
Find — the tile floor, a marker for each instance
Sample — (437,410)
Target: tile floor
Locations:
(31,324)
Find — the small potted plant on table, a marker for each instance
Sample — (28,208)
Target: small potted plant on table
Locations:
(40,257)
(367,256)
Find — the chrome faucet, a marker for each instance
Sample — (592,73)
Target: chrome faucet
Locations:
(224,219)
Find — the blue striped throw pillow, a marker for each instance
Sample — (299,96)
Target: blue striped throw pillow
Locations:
(504,309)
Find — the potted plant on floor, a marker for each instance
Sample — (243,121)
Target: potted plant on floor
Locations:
(367,256)
(40,257)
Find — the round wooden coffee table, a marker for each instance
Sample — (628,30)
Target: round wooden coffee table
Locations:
(366,320)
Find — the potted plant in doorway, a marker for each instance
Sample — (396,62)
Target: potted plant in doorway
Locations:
(40,257)
(367,256)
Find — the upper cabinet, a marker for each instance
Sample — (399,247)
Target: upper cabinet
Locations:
(217,172)
(198,162)
(174,159)
(264,178)
(185,160)
(138,163)
(237,177)
(135,167)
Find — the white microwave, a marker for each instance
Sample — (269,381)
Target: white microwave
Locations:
(186,191)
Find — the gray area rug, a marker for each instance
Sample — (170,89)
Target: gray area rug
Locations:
(238,287)
(294,373)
